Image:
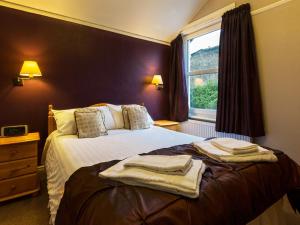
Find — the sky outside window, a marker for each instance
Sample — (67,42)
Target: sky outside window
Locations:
(205,41)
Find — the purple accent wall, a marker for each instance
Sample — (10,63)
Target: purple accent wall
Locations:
(80,66)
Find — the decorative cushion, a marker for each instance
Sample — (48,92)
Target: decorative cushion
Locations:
(89,123)
(65,121)
(116,111)
(138,117)
(126,118)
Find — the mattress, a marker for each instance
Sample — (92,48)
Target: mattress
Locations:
(65,154)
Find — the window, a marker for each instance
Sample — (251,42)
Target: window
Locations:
(202,59)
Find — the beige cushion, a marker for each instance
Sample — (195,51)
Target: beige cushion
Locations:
(138,117)
(89,123)
(65,121)
(126,118)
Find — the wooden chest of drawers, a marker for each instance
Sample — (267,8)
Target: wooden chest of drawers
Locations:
(18,166)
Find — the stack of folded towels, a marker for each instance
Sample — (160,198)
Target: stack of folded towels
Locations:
(233,150)
(178,174)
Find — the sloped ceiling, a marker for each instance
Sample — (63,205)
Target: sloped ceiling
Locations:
(156,19)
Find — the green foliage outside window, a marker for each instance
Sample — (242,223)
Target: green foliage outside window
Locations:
(205,96)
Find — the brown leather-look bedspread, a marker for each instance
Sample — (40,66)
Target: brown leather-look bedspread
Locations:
(230,194)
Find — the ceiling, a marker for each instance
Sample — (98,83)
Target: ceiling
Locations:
(155,19)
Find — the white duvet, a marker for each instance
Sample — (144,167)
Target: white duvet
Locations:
(65,154)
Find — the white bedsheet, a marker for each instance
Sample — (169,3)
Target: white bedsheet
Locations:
(65,154)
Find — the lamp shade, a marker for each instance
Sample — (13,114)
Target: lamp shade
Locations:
(157,80)
(30,69)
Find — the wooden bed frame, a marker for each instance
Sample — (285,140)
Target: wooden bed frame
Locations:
(51,120)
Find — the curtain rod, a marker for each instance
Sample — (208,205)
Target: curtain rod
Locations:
(216,17)
(269,7)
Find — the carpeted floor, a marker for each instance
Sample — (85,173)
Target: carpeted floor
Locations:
(27,210)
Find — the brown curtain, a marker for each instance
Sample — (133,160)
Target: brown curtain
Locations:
(239,99)
(178,96)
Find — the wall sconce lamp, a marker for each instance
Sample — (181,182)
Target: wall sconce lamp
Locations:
(29,70)
(158,82)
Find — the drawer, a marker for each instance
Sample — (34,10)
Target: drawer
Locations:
(18,151)
(17,168)
(18,185)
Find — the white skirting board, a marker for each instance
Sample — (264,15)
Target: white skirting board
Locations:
(206,130)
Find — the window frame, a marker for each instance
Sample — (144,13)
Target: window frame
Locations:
(208,115)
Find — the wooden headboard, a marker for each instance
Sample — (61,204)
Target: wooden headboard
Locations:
(51,120)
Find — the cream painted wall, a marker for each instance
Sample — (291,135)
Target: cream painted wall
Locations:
(277,34)
(154,20)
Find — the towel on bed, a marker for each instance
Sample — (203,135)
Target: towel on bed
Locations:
(213,152)
(234,146)
(177,164)
(187,185)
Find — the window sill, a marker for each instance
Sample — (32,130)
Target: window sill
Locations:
(202,119)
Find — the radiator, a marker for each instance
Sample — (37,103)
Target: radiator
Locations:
(206,130)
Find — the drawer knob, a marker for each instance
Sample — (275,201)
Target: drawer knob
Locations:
(13,187)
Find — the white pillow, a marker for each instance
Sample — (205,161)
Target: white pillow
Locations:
(116,111)
(150,120)
(65,121)
(108,118)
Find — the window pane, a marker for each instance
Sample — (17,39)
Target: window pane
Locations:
(203,51)
(204,91)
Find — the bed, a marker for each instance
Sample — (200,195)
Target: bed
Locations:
(67,156)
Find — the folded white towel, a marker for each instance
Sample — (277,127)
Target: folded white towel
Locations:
(211,151)
(187,185)
(234,146)
(177,164)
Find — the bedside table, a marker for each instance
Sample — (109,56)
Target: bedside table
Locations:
(171,125)
(18,166)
